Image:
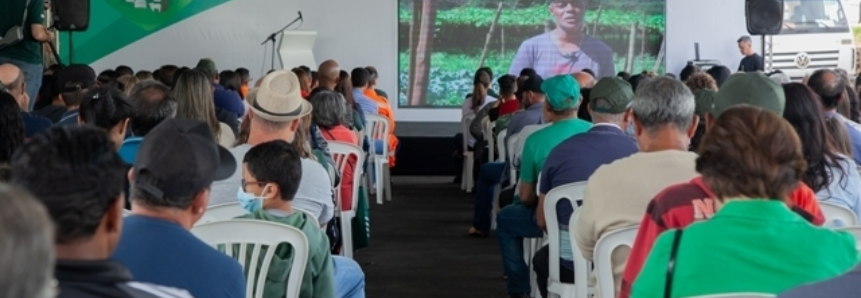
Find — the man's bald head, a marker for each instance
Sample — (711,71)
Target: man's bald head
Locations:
(328,73)
(586,80)
(11,77)
(829,86)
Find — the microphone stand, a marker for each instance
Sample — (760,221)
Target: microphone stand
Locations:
(272,38)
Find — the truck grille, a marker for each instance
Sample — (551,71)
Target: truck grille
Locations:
(818,59)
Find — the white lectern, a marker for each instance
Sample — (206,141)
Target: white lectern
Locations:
(297,48)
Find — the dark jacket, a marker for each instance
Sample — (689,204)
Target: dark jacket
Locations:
(105,279)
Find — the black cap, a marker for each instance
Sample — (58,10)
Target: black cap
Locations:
(76,77)
(183,157)
(533,83)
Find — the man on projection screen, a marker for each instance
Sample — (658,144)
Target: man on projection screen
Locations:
(566,49)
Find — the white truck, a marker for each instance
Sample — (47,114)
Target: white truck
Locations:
(815,35)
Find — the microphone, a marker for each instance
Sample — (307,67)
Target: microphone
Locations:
(300,16)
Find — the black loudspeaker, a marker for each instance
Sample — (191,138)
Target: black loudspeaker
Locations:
(764,17)
(71,15)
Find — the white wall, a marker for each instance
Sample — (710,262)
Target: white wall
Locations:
(715,24)
(352,32)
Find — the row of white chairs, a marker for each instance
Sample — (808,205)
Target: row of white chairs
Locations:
(573,192)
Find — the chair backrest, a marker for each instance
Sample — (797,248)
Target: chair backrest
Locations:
(500,145)
(377,129)
(855,231)
(126,212)
(241,238)
(736,295)
(838,216)
(574,193)
(603,257)
(341,153)
(581,265)
(224,211)
(464,128)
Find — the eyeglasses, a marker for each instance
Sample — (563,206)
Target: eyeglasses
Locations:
(245,183)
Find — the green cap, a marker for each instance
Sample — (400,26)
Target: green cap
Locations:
(561,92)
(751,88)
(207,66)
(705,100)
(611,96)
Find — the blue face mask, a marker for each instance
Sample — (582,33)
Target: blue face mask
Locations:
(249,201)
(631,130)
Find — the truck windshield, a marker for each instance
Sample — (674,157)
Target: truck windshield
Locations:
(813,16)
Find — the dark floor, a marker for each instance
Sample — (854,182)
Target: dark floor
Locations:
(420,247)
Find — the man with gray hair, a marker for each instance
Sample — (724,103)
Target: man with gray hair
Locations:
(12,79)
(153,102)
(751,61)
(27,253)
(617,194)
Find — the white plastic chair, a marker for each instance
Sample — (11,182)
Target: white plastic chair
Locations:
(220,212)
(736,295)
(378,129)
(574,193)
(603,257)
(466,177)
(488,134)
(341,153)
(500,145)
(126,212)
(855,231)
(838,216)
(530,247)
(252,236)
(582,267)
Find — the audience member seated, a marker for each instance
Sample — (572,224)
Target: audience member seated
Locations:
(124,70)
(616,194)
(276,111)
(585,79)
(76,173)
(144,75)
(127,83)
(329,110)
(688,72)
(683,204)
(752,159)
(518,221)
(719,73)
(704,99)
(837,131)
(11,127)
(304,81)
(108,78)
(385,109)
(833,176)
(12,79)
(830,88)
(508,103)
(152,102)
(27,253)
(166,74)
(244,81)
(72,82)
(194,98)
(699,81)
(171,182)
(273,170)
(479,96)
(106,108)
(223,98)
(49,104)
(575,159)
(360,78)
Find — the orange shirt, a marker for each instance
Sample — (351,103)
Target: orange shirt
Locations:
(385,110)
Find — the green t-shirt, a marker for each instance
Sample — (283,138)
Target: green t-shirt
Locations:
(758,246)
(539,144)
(28,50)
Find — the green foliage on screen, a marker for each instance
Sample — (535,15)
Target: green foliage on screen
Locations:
(535,16)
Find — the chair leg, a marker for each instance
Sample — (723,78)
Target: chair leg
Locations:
(347,236)
(378,183)
(463,174)
(468,174)
(387,179)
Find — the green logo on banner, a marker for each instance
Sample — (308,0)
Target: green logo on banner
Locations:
(148,14)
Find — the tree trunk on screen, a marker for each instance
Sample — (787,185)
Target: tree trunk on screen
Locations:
(643,38)
(597,20)
(661,54)
(414,34)
(489,35)
(423,53)
(632,41)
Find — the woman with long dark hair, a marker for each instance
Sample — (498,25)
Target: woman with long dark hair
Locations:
(230,80)
(357,118)
(11,127)
(831,175)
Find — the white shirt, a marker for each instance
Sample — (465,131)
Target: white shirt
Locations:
(314,194)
